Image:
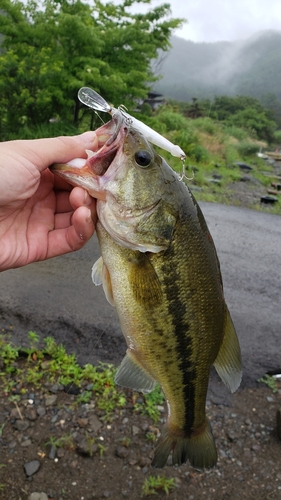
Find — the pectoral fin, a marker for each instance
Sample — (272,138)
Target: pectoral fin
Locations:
(228,362)
(144,281)
(101,276)
(132,375)
(97,272)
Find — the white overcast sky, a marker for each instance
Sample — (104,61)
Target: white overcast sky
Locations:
(216,20)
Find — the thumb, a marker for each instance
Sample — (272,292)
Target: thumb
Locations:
(44,152)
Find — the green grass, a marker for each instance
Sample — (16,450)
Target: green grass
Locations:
(270,381)
(156,485)
(58,367)
(35,366)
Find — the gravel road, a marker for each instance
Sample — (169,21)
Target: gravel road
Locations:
(58,298)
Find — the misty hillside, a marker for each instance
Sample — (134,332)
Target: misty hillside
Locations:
(250,67)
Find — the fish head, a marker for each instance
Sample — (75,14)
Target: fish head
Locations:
(132,184)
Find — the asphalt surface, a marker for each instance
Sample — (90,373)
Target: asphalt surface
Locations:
(58,298)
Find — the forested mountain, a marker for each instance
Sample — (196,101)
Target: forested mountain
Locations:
(249,67)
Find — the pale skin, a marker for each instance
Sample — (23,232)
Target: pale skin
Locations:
(42,216)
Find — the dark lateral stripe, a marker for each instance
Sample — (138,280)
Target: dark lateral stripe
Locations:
(177,310)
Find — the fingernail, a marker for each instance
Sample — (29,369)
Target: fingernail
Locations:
(87,198)
(89,217)
(89,137)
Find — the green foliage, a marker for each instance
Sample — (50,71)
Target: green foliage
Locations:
(53,48)
(270,382)
(173,121)
(8,352)
(247,148)
(152,400)
(277,136)
(62,368)
(155,485)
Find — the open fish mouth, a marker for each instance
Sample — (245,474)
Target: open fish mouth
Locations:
(79,170)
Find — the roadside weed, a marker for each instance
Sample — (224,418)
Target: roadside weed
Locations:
(150,406)
(154,485)
(270,381)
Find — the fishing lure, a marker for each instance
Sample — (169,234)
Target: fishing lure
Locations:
(95,101)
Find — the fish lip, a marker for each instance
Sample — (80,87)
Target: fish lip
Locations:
(99,160)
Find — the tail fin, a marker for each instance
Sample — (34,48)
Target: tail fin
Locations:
(199,449)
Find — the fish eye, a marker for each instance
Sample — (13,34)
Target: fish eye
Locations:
(143,158)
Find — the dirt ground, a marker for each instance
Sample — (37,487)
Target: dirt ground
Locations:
(81,456)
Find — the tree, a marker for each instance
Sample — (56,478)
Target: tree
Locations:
(49,52)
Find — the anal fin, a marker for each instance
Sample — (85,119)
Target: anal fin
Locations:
(132,375)
(228,361)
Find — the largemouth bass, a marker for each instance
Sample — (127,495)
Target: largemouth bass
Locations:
(159,268)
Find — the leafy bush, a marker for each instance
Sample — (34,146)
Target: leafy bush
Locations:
(173,121)
(200,154)
(238,133)
(207,125)
(247,148)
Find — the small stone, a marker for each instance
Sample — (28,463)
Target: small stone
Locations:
(15,413)
(60,453)
(56,387)
(144,462)
(82,422)
(106,494)
(135,430)
(41,411)
(21,425)
(121,452)
(256,447)
(52,453)
(94,423)
(30,413)
(72,389)
(26,443)
(38,496)
(32,467)
(50,400)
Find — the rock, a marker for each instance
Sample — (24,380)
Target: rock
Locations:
(50,400)
(41,411)
(32,467)
(268,200)
(55,388)
(72,389)
(52,453)
(243,166)
(38,496)
(135,430)
(26,442)
(121,452)
(82,422)
(21,425)
(30,413)
(15,413)
(94,423)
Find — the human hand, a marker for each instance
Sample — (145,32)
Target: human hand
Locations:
(41,215)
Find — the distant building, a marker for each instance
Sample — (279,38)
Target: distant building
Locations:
(153,99)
